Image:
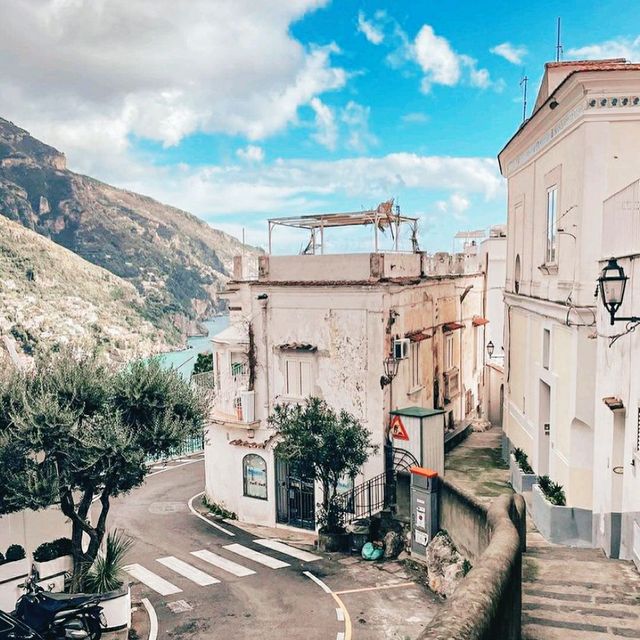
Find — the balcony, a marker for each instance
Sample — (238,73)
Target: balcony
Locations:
(243,415)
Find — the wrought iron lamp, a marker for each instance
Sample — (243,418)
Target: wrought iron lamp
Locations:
(390,371)
(612,284)
(490,348)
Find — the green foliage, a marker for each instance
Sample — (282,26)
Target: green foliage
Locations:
(523,460)
(219,510)
(323,445)
(14,552)
(106,573)
(2,558)
(552,491)
(204,363)
(75,428)
(466,567)
(51,550)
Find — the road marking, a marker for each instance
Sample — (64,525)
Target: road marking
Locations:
(199,515)
(170,468)
(153,619)
(275,545)
(256,556)
(222,563)
(317,580)
(187,571)
(153,581)
(380,588)
(340,635)
(340,615)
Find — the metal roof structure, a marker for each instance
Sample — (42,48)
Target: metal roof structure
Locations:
(384,216)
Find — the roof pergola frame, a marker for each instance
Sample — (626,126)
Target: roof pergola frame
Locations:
(317,223)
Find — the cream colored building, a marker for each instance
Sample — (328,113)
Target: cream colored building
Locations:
(580,146)
(323,325)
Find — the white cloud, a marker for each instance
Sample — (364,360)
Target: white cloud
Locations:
(327,129)
(251,153)
(615,48)
(415,117)
(510,52)
(160,69)
(369,30)
(356,117)
(456,205)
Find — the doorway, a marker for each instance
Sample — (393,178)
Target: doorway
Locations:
(295,496)
(544,429)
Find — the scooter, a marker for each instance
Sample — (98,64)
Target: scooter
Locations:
(58,616)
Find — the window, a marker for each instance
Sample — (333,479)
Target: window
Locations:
(546,345)
(254,476)
(552,212)
(516,275)
(448,352)
(297,378)
(475,348)
(415,364)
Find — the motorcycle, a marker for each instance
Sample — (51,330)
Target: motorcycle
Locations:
(58,616)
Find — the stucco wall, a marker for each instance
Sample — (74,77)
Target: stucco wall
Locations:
(487,604)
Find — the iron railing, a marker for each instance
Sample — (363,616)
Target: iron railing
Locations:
(365,499)
(194,444)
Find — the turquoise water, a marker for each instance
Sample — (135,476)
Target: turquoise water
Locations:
(184,360)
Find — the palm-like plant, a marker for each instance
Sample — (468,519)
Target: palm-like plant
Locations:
(106,572)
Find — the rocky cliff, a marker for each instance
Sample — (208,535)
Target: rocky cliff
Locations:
(175,261)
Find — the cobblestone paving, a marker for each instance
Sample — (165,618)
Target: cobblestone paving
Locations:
(568,593)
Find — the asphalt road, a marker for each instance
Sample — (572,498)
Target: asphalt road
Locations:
(270,604)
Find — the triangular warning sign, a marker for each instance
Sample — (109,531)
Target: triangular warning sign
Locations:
(397,429)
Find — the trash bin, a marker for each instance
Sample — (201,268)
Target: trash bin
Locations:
(359,530)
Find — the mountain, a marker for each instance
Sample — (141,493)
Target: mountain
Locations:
(50,297)
(176,262)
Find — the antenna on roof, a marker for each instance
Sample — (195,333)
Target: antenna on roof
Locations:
(558,44)
(523,83)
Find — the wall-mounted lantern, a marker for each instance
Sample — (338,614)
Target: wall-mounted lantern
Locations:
(390,371)
(612,284)
(490,348)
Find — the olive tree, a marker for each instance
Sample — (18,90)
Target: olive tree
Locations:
(75,431)
(324,445)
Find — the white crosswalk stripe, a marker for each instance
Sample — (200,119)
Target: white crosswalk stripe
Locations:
(256,556)
(153,581)
(276,545)
(187,571)
(222,563)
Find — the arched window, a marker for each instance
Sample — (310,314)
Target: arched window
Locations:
(254,476)
(516,275)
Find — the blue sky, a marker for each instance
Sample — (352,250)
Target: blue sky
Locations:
(238,110)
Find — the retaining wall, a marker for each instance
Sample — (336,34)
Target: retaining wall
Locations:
(488,602)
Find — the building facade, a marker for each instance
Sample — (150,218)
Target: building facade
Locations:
(323,325)
(580,146)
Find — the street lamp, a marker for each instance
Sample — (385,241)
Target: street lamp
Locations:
(612,283)
(390,371)
(490,348)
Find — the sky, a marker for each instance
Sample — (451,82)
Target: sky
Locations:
(242,110)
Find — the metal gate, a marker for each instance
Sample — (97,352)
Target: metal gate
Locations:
(295,497)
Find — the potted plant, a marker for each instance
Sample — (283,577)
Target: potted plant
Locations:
(106,578)
(522,476)
(53,558)
(13,564)
(325,446)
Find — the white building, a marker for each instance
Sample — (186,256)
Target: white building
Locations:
(580,146)
(323,325)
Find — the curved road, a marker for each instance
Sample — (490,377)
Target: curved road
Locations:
(270,604)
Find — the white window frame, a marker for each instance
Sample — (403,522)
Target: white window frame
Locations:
(448,352)
(414,363)
(551,246)
(295,387)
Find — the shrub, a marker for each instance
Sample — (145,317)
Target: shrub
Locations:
(2,560)
(552,491)
(51,550)
(219,510)
(15,552)
(523,460)
(106,573)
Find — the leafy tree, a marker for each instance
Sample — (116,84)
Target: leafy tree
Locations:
(323,445)
(204,363)
(74,429)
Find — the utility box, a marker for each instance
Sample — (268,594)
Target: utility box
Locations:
(424,509)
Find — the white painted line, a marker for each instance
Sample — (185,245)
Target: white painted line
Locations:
(319,582)
(275,545)
(153,581)
(153,619)
(199,515)
(339,614)
(340,635)
(187,571)
(256,556)
(177,466)
(222,563)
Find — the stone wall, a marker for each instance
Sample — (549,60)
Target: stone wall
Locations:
(487,603)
